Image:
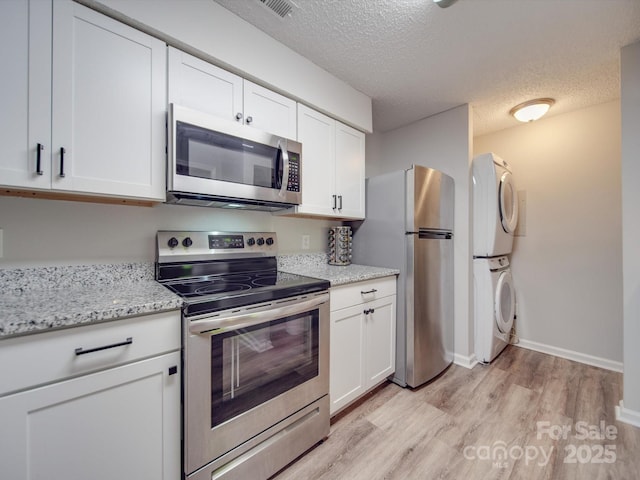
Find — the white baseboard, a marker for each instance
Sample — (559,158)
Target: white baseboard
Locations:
(626,415)
(571,355)
(466,362)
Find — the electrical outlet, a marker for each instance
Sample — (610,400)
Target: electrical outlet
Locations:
(305,242)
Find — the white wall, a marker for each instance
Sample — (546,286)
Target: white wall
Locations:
(204,28)
(442,142)
(631,229)
(40,232)
(567,269)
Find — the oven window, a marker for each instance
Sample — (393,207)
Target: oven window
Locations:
(218,156)
(253,365)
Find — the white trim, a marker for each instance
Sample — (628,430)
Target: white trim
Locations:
(571,355)
(625,415)
(466,362)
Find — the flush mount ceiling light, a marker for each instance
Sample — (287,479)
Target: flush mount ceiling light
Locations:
(444,3)
(532,110)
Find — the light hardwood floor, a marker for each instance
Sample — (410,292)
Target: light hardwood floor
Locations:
(457,426)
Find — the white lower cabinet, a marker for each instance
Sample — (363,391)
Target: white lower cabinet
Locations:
(363,338)
(119,421)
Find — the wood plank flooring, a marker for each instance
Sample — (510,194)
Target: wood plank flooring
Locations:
(527,416)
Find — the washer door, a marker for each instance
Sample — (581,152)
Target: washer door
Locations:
(508,203)
(505,298)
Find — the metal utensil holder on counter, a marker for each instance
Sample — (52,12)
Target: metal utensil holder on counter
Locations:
(340,246)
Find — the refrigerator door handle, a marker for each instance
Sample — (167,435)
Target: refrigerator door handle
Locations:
(435,234)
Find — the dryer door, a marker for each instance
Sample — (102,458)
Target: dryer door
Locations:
(505,298)
(508,203)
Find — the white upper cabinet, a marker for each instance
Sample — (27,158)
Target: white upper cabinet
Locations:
(104,133)
(25,96)
(333,163)
(350,158)
(317,134)
(202,86)
(269,111)
(196,84)
(109,104)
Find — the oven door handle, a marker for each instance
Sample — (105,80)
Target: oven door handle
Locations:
(234,321)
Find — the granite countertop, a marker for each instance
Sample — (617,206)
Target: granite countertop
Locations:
(34,300)
(315,265)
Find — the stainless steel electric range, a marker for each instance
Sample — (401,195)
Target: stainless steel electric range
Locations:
(255,352)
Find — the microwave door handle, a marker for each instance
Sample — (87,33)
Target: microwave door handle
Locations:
(233,321)
(284,184)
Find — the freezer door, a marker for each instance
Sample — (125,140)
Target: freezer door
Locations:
(429,307)
(430,198)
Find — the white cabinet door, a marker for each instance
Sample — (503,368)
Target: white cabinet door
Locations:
(316,132)
(196,84)
(120,423)
(109,104)
(269,111)
(333,163)
(350,158)
(25,96)
(199,85)
(380,339)
(347,354)
(363,339)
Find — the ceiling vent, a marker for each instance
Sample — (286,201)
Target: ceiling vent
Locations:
(282,8)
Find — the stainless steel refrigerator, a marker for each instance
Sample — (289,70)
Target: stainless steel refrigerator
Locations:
(409,226)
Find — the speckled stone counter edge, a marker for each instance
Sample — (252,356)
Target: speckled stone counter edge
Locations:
(36,300)
(15,280)
(42,298)
(316,265)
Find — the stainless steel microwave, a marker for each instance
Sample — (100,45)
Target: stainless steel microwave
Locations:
(215,162)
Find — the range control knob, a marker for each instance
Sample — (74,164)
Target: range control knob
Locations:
(269,241)
(187,242)
(251,242)
(260,241)
(173,242)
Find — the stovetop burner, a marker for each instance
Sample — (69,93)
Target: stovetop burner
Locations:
(215,271)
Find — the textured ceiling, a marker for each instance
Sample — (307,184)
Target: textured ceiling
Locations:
(415,59)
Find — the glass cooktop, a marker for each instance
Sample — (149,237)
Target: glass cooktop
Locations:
(213,293)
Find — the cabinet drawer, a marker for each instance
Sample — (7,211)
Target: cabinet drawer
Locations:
(360,292)
(47,357)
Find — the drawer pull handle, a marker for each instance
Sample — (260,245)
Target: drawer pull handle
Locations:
(373,290)
(82,351)
(369,310)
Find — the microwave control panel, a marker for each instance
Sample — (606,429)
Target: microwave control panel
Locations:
(294,173)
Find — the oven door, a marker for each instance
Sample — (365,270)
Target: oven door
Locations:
(247,370)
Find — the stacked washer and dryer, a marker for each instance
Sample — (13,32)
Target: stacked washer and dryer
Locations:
(495,216)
